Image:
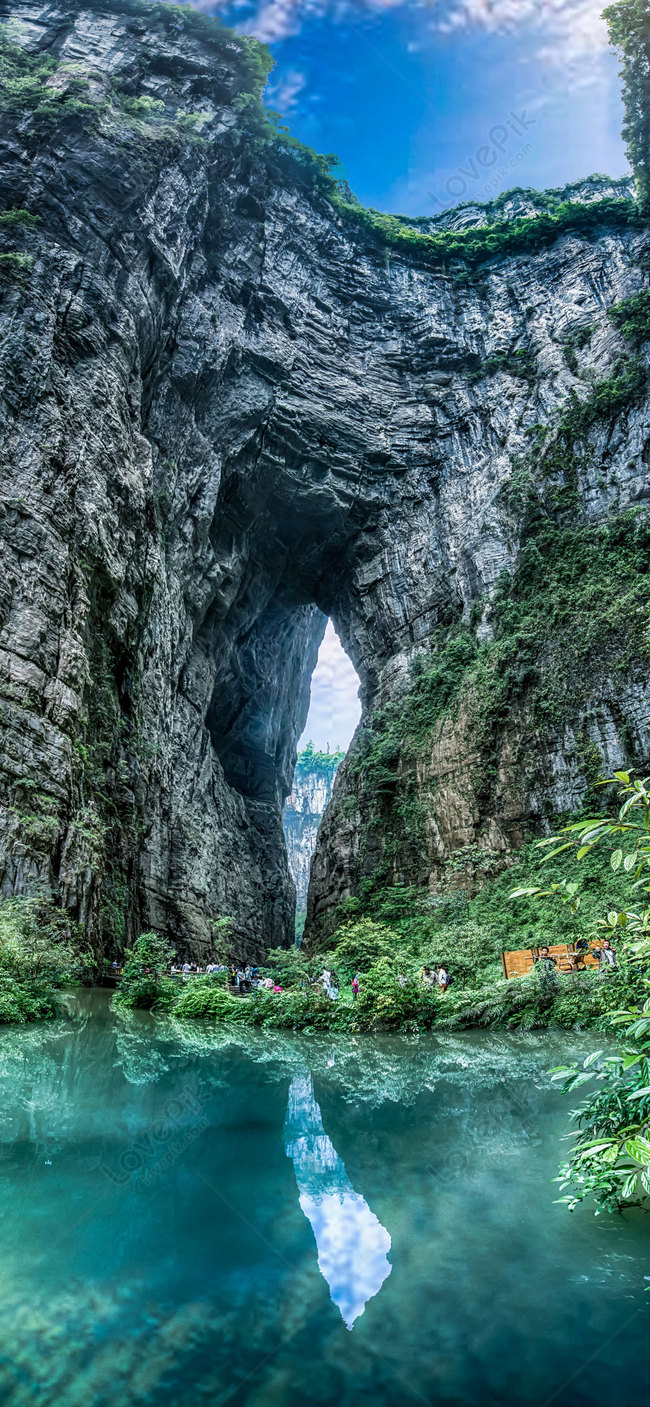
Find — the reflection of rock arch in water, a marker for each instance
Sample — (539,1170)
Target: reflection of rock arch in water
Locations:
(352,1244)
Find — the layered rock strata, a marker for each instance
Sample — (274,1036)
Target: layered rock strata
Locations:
(229,410)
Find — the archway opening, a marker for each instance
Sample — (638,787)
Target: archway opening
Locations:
(334,713)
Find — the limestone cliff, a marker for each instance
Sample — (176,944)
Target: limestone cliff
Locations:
(310,795)
(234,403)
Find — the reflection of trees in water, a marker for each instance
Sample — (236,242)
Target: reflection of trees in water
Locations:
(373,1070)
(138,1052)
(35,1069)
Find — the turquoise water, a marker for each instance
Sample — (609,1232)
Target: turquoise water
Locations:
(190,1217)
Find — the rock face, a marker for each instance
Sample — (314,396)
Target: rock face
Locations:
(229,410)
(310,795)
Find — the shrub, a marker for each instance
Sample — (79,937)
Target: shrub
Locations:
(632,318)
(384,1004)
(145,982)
(40,951)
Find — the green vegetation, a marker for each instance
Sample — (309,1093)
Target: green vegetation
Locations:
(610,1159)
(632,318)
(26,85)
(521,363)
(383,1005)
(573,344)
(145,983)
(311,760)
(629,30)
(14,263)
(40,951)
(523,235)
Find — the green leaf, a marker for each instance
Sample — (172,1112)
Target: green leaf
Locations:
(629,1185)
(639,1149)
(629,862)
(551,855)
(623,777)
(616,860)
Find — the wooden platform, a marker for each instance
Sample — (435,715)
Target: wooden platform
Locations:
(518,963)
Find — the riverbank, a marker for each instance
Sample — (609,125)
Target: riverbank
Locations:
(579,1001)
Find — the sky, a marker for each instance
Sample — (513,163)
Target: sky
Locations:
(428,104)
(335,709)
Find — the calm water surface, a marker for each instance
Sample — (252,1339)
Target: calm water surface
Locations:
(196,1217)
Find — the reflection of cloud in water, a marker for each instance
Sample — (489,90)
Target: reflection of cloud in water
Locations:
(352,1244)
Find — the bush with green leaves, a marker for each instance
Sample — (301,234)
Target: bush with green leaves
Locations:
(632,318)
(629,31)
(294,1010)
(290,967)
(145,982)
(386,1004)
(41,950)
(610,1160)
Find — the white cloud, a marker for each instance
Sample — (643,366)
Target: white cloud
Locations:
(568,30)
(335,709)
(277,19)
(285,90)
(577,24)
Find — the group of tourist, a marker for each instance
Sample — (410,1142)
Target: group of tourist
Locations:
(547,964)
(242,976)
(192,969)
(435,977)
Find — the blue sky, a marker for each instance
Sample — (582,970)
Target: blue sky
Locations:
(429,104)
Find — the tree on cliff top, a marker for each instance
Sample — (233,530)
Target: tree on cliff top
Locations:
(311,760)
(629,29)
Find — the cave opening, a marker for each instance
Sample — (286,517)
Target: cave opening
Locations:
(334,713)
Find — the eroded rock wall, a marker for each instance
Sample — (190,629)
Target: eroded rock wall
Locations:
(308,800)
(228,412)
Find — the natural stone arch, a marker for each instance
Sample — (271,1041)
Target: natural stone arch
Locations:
(228,412)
